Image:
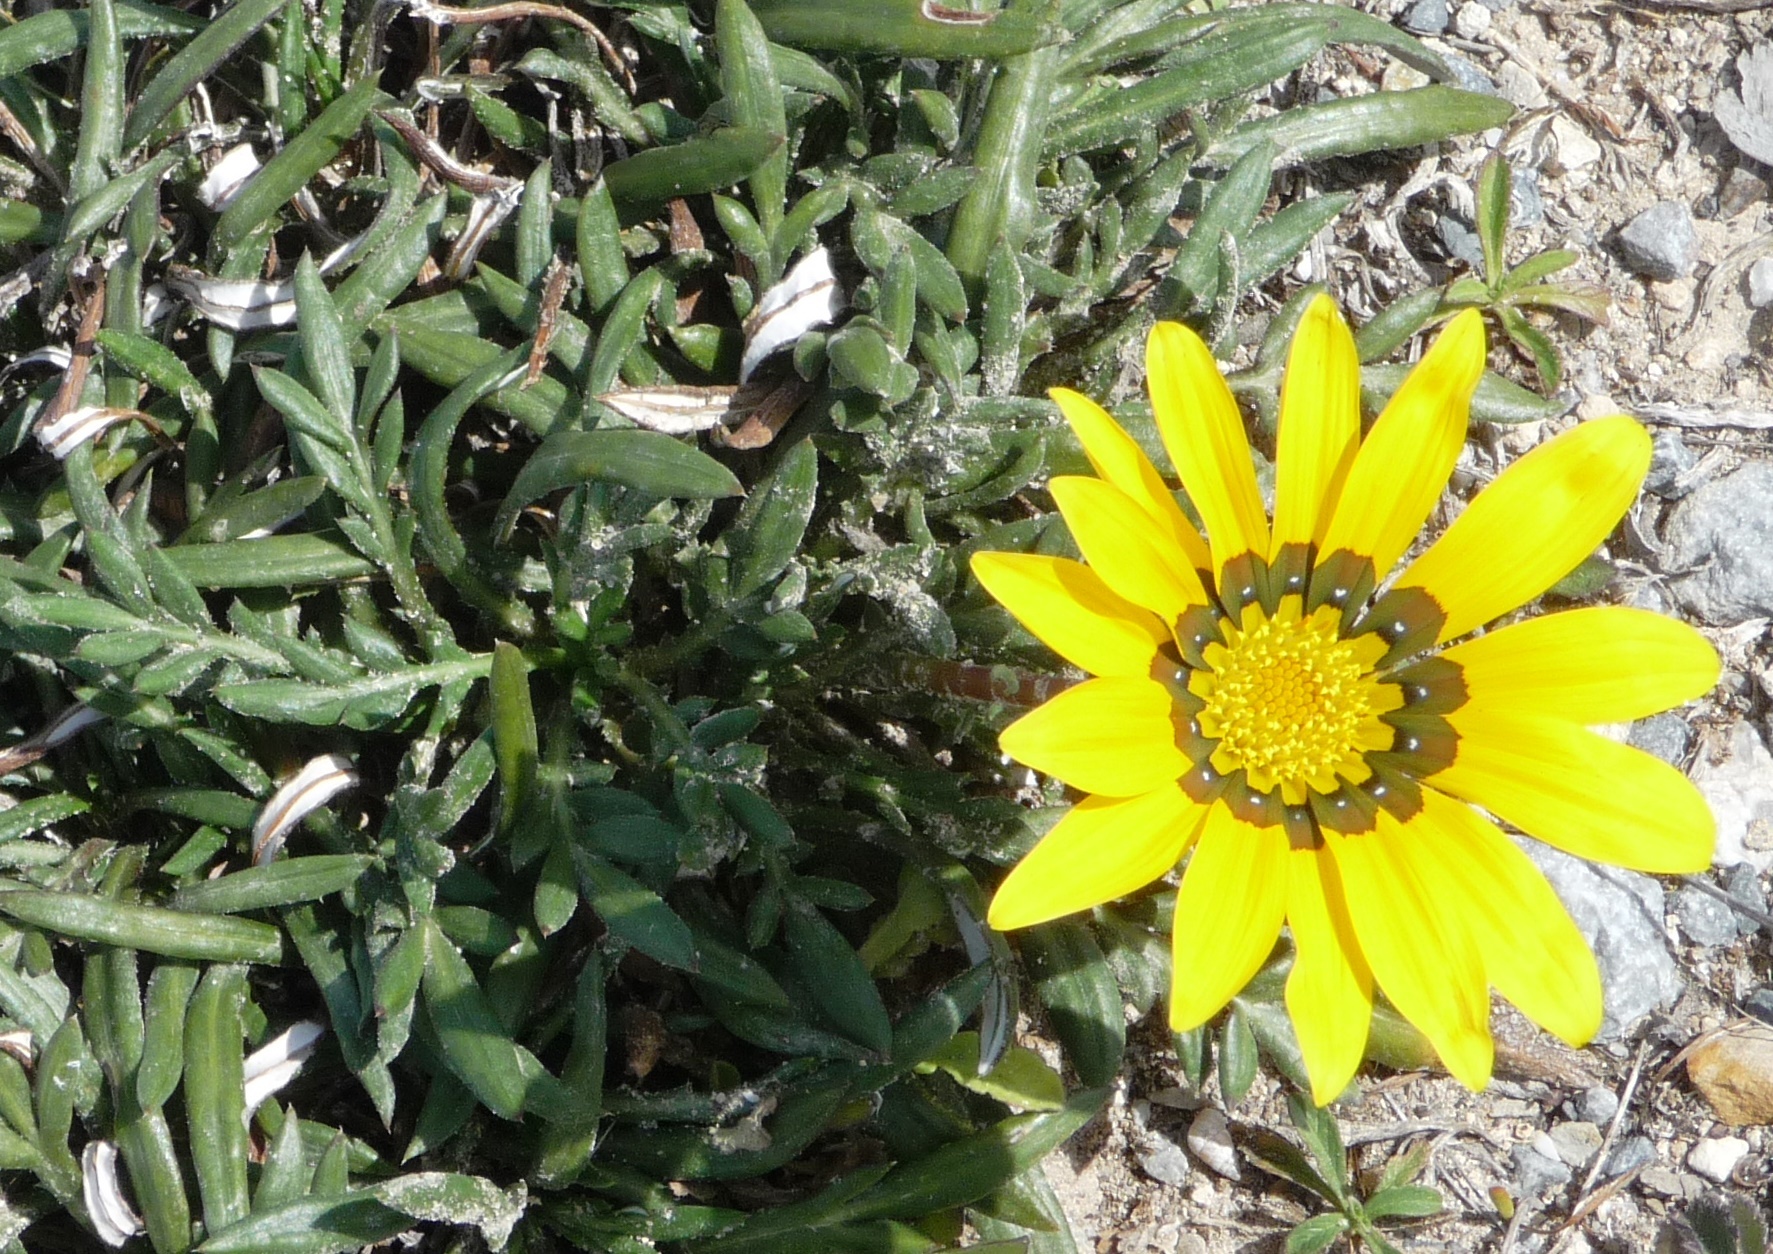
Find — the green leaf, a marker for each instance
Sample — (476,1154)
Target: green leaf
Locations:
(324,349)
(1316,1233)
(214,44)
(1231,206)
(1218,66)
(704,164)
(476,1047)
(1403,1201)
(646,461)
(57,33)
(513,728)
(1493,189)
(362,703)
(1074,983)
(908,28)
(1533,269)
(635,914)
(1324,1142)
(279,884)
(840,984)
(303,157)
(1371,123)
(748,81)
(1238,1057)
(354,1220)
(215,1094)
(1018,1079)
(174,933)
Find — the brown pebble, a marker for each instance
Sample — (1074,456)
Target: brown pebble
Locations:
(1734,1073)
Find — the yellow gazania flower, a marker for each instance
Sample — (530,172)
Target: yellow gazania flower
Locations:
(1314,743)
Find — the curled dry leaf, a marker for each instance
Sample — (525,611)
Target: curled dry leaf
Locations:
(275,1064)
(808,296)
(228,177)
(318,782)
(113,1217)
(64,434)
(235,304)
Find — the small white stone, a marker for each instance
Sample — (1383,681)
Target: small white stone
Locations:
(1716,1157)
(1760,283)
(1472,20)
(1575,147)
(1209,1136)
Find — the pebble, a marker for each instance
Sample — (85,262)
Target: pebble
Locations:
(1630,1154)
(1760,283)
(1760,1005)
(1716,1157)
(1675,296)
(1520,87)
(1575,147)
(1536,1172)
(1670,460)
(1577,1142)
(1426,17)
(1741,189)
(1619,913)
(1676,1184)
(1597,1105)
(1704,919)
(1726,528)
(1733,1071)
(1496,6)
(1738,786)
(1162,1159)
(1472,20)
(1665,736)
(1744,885)
(1526,205)
(1468,76)
(1209,1136)
(1460,241)
(1661,242)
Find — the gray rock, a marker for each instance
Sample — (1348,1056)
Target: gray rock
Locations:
(1760,1004)
(1670,460)
(1471,21)
(1536,1173)
(1736,780)
(1577,1142)
(1620,914)
(1725,529)
(1470,77)
(1427,17)
(1597,1105)
(1704,919)
(1676,1184)
(1527,206)
(1744,884)
(1747,115)
(1630,1154)
(1460,241)
(1665,736)
(1661,242)
(1740,190)
(1496,6)
(1163,1160)
(1760,283)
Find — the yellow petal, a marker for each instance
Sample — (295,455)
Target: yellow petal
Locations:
(1603,664)
(1320,424)
(1330,990)
(1532,951)
(1067,605)
(1102,849)
(1587,795)
(1204,434)
(1116,737)
(1118,540)
(1403,464)
(1228,915)
(1535,524)
(1419,953)
(1118,458)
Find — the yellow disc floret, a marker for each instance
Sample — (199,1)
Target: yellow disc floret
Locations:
(1291,702)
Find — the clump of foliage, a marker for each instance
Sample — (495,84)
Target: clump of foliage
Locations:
(654,917)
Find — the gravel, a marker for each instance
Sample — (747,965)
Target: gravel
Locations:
(1427,17)
(1661,242)
(1760,283)
(1704,919)
(1723,534)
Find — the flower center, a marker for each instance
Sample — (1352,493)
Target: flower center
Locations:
(1291,702)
